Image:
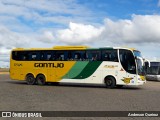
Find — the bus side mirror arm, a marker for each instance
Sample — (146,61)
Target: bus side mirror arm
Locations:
(140,59)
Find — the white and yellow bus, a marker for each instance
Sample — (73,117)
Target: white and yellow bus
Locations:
(112,66)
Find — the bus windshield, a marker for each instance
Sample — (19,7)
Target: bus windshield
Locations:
(139,62)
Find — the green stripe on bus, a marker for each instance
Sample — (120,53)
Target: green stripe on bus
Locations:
(88,70)
(76,69)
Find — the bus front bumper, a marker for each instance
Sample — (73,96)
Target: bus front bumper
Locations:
(141,82)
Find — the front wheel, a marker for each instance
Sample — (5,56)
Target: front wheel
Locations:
(41,80)
(30,79)
(110,82)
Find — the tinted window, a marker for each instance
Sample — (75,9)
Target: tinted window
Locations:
(93,55)
(61,55)
(76,55)
(42,56)
(70,55)
(20,55)
(30,55)
(50,55)
(128,61)
(34,56)
(154,69)
(109,55)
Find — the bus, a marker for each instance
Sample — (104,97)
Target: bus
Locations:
(110,66)
(153,71)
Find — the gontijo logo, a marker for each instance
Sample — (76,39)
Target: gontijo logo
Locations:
(53,65)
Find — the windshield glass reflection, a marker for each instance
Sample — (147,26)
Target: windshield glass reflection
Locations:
(140,62)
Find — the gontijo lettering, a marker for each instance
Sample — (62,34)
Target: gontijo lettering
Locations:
(53,65)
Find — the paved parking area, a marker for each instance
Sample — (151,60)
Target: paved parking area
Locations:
(18,96)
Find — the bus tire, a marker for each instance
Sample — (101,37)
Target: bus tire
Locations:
(41,79)
(30,79)
(110,82)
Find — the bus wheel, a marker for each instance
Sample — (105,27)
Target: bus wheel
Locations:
(41,80)
(110,82)
(30,79)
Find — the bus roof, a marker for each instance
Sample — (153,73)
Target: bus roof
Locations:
(55,48)
(72,48)
(69,47)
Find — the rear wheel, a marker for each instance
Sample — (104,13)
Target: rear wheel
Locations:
(110,82)
(41,80)
(30,79)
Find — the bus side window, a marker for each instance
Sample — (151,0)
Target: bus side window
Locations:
(106,57)
(42,56)
(20,55)
(33,56)
(61,55)
(16,55)
(49,56)
(78,55)
(93,55)
(24,55)
(110,55)
(69,57)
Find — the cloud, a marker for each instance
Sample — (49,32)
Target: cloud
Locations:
(140,29)
(78,33)
(43,11)
(46,37)
(10,39)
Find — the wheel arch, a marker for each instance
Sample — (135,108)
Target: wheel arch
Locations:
(41,79)
(29,74)
(30,79)
(41,74)
(109,76)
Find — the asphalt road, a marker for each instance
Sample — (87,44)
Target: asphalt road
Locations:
(18,96)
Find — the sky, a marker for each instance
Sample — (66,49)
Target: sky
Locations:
(95,23)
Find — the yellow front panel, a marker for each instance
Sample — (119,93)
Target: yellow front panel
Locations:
(142,77)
